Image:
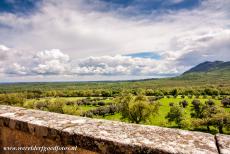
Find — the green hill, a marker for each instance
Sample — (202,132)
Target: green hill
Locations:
(210,67)
(214,72)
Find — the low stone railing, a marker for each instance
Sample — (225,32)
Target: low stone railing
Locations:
(20,127)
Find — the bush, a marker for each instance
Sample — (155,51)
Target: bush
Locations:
(29,104)
(226,102)
(205,96)
(185,123)
(12,99)
(213,97)
(101,111)
(210,102)
(196,110)
(67,109)
(56,106)
(41,105)
(88,114)
(184,103)
(175,114)
(101,103)
(171,104)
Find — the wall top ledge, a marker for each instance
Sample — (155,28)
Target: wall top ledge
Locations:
(106,136)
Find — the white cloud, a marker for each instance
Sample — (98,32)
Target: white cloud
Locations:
(182,38)
(55,62)
(48,62)
(51,62)
(16,69)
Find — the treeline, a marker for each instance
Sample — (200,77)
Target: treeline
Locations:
(113,93)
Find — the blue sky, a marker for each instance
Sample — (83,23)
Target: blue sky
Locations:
(146,54)
(56,40)
(18,6)
(141,6)
(147,6)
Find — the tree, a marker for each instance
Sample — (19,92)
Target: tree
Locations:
(175,114)
(56,105)
(123,101)
(226,102)
(137,108)
(196,110)
(184,103)
(204,112)
(174,92)
(219,120)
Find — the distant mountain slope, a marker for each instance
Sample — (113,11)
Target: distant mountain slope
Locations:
(209,66)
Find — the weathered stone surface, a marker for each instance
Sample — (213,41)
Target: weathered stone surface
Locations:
(223,142)
(15,138)
(106,136)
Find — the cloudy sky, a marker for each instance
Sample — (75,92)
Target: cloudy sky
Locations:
(75,40)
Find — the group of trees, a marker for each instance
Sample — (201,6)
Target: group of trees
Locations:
(110,92)
(12,99)
(202,114)
(136,106)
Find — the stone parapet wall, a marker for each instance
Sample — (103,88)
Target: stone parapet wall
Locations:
(24,127)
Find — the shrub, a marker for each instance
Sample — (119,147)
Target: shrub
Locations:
(88,114)
(12,99)
(210,102)
(184,103)
(101,111)
(213,97)
(186,123)
(175,114)
(196,110)
(226,102)
(67,109)
(29,104)
(56,106)
(41,105)
(205,96)
(101,103)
